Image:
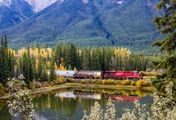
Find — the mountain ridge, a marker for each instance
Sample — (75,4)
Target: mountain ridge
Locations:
(97,22)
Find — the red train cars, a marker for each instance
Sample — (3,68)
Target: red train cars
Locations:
(122,75)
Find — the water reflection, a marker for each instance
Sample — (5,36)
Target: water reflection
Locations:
(4,114)
(68,104)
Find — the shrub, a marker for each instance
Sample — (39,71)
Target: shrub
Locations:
(35,84)
(117,82)
(94,81)
(83,81)
(133,83)
(108,82)
(59,81)
(143,73)
(2,90)
(140,83)
(71,80)
(45,84)
(125,82)
(98,82)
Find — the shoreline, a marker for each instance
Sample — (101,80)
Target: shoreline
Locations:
(89,86)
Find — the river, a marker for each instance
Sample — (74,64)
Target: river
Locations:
(69,104)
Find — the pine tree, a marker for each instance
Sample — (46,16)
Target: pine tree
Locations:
(39,69)
(52,75)
(44,76)
(95,59)
(11,63)
(85,58)
(74,60)
(167,27)
(102,59)
(58,53)
(6,61)
(27,68)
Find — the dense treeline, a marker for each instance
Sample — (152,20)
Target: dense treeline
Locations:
(7,61)
(102,58)
(33,64)
(39,63)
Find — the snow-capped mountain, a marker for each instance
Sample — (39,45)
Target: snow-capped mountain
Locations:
(39,5)
(13,12)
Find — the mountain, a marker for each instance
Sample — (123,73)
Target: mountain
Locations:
(127,23)
(13,12)
(39,5)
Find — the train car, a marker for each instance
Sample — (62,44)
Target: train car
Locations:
(65,73)
(121,75)
(88,74)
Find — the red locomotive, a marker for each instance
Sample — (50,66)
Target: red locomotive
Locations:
(122,75)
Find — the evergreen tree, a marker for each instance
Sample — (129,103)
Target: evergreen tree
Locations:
(167,26)
(102,59)
(68,56)
(6,61)
(44,76)
(74,60)
(39,69)
(11,64)
(52,75)
(95,59)
(85,58)
(58,53)
(27,68)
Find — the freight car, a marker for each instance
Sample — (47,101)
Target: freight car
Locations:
(88,74)
(65,73)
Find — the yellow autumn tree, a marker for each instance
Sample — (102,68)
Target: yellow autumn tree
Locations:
(61,66)
(122,52)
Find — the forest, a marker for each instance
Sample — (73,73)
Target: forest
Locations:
(39,63)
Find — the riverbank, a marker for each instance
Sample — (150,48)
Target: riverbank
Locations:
(90,86)
(87,86)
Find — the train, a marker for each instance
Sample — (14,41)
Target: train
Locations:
(90,74)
